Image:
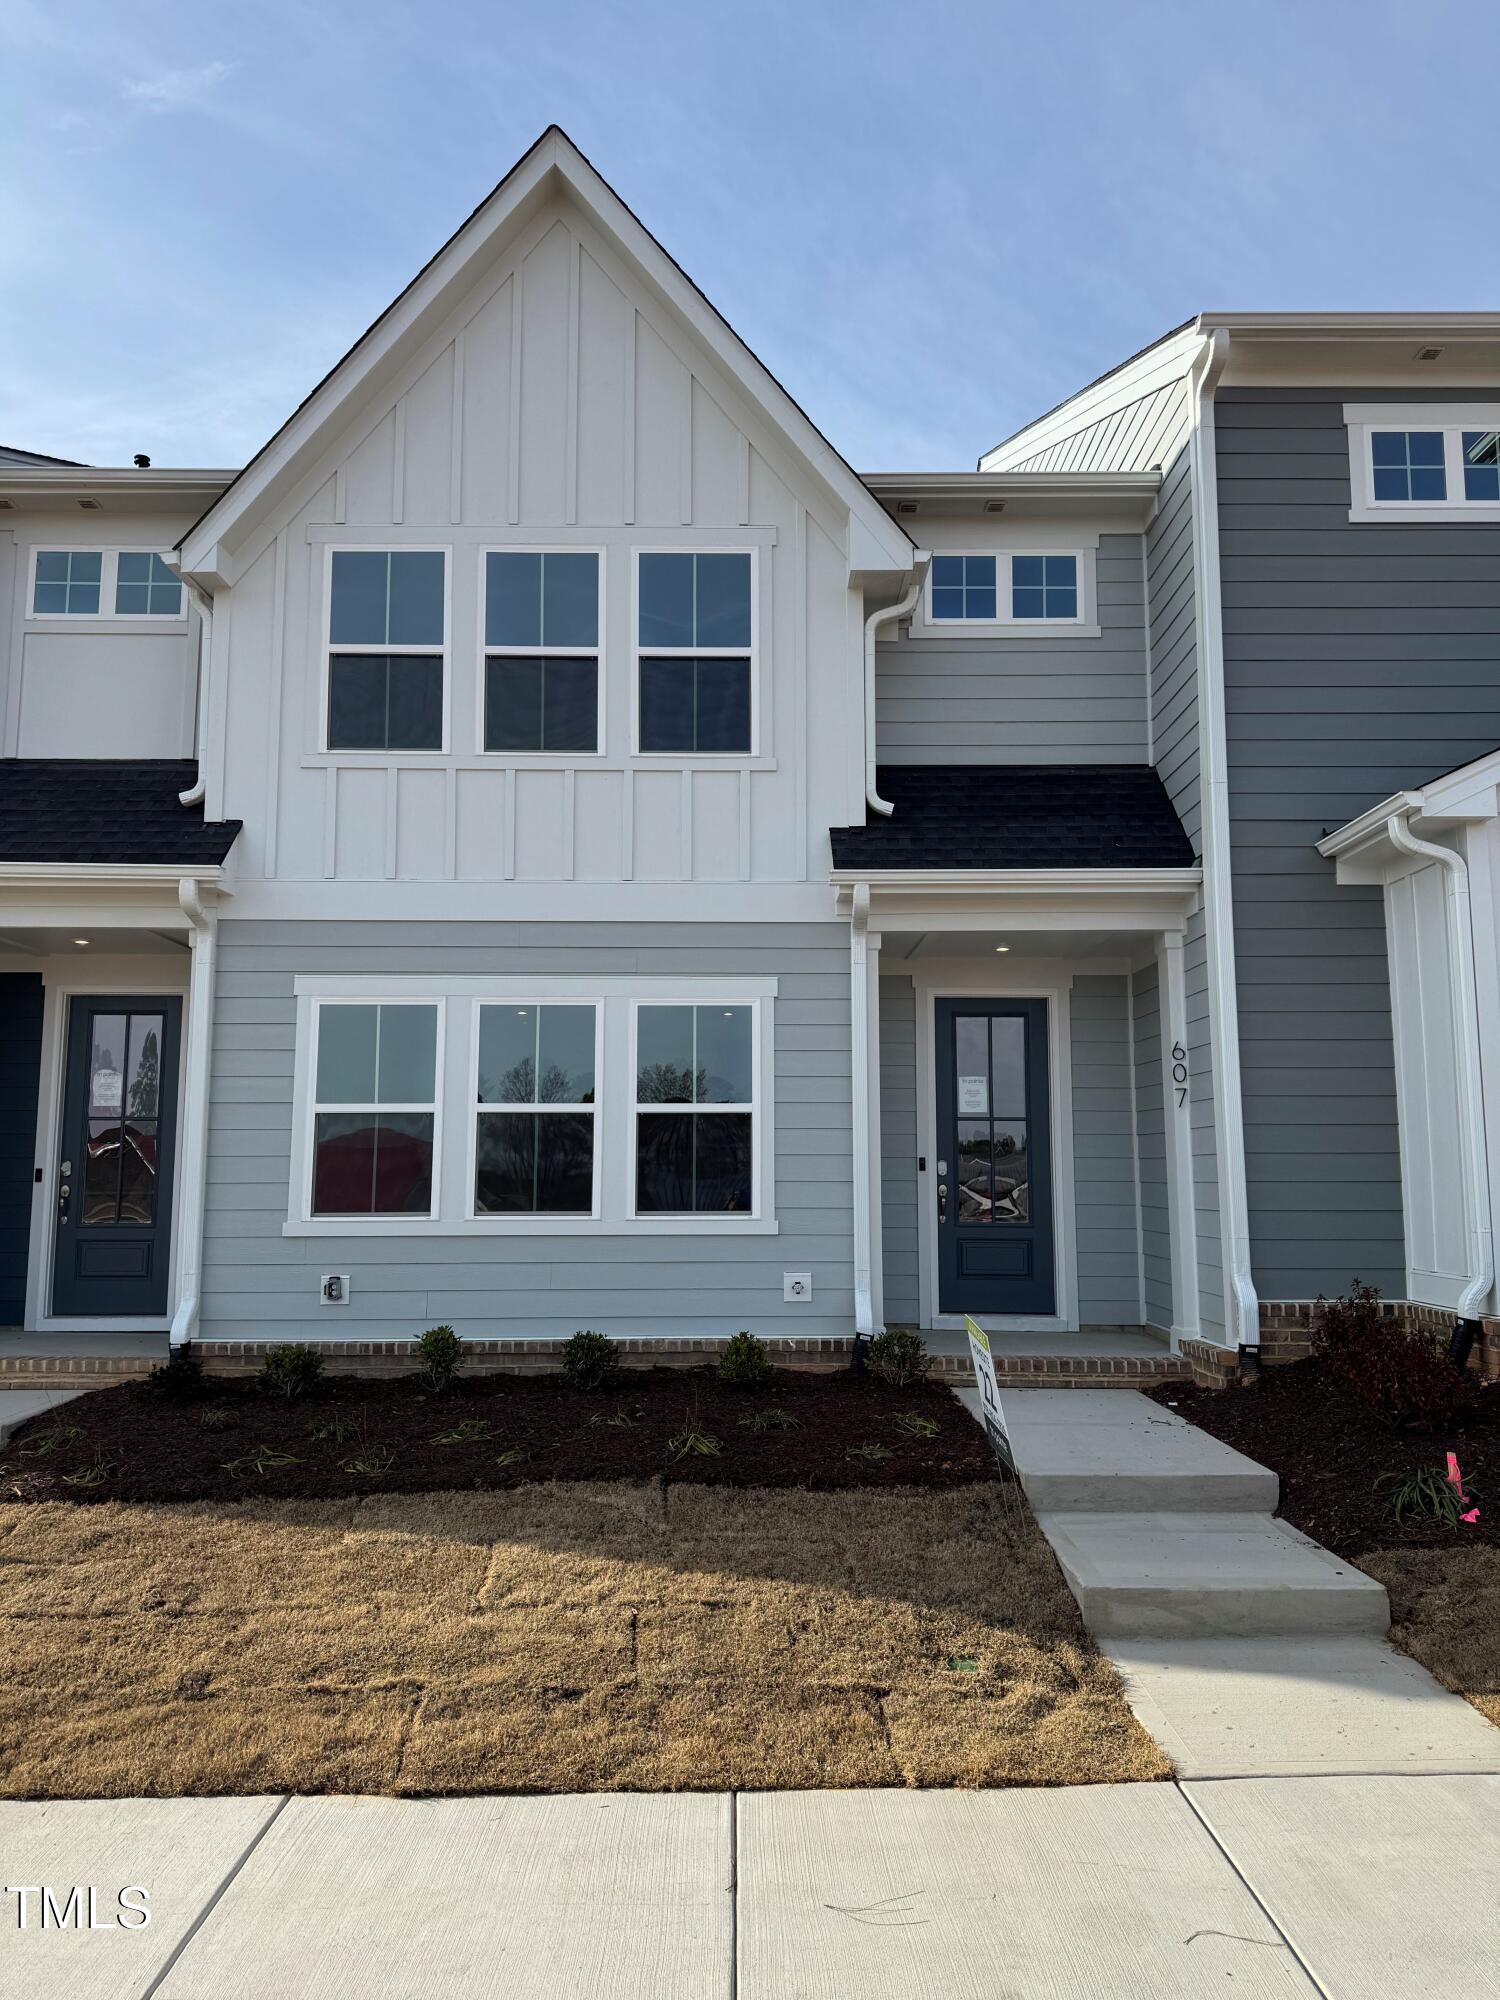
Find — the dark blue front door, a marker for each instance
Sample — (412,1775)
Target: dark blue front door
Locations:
(114,1183)
(994,1164)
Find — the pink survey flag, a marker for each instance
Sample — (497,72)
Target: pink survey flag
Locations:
(1455,1480)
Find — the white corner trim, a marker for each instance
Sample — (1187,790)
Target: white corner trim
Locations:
(1241,1306)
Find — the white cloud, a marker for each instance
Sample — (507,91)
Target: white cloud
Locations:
(176,89)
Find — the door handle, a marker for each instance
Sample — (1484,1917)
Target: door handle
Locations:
(942,1201)
(64,1195)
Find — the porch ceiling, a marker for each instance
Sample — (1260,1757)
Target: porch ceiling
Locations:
(985,946)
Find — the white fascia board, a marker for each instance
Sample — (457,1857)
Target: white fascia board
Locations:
(1465,797)
(1014,485)
(1168,361)
(1062,881)
(1341,326)
(552,163)
(158,484)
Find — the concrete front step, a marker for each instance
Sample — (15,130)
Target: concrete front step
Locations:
(1208,1575)
(1097,1452)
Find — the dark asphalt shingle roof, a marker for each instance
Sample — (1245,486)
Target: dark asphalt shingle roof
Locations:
(1017,816)
(100,811)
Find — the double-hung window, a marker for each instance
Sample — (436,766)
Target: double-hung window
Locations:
(387,647)
(695,1092)
(1413,462)
(374,1111)
(535,1150)
(541,651)
(695,637)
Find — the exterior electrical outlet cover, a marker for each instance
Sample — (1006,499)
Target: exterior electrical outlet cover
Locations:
(796,1287)
(333,1288)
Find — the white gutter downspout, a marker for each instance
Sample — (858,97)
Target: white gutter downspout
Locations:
(203,938)
(1466,1027)
(204,605)
(859,1065)
(1242,1307)
(899,609)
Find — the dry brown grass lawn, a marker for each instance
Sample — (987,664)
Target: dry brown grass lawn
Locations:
(550,1638)
(1445,1612)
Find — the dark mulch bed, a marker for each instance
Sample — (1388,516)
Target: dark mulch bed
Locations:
(356,1436)
(1334,1457)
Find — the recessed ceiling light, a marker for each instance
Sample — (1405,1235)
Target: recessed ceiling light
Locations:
(80,940)
(1002,947)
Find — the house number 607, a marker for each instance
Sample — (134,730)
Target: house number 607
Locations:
(1179,1073)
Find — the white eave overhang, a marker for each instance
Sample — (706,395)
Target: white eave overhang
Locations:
(115,875)
(1109,899)
(1128,496)
(1362,847)
(111,488)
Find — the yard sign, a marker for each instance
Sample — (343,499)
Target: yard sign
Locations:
(989,1394)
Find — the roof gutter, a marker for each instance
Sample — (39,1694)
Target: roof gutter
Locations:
(1481,1258)
(203,604)
(900,609)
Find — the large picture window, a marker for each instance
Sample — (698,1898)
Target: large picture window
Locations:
(374,1108)
(541,657)
(695,637)
(387,643)
(534,1137)
(694,1110)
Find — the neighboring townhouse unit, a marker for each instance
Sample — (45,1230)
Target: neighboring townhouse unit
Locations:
(549,845)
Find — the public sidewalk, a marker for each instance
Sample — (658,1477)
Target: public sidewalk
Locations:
(1356,1888)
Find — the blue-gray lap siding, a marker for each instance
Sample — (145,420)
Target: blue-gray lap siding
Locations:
(259,1283)
(1172,601)
(1151,1146)
(1103,1195)
(1359,658)
(1031,700)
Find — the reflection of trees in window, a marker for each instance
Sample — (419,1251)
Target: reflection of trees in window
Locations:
(519,1085)
(666,1083)
(145,1082)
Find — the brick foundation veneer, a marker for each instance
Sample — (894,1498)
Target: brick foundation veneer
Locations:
(1286,1325)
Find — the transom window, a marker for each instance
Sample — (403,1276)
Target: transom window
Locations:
(536,1155)
(67,582)
(541,637)
(695,637)
(103,583)
(145,587)
(387,643)
(1434,458)
(963,587)
(1408,465)
(374,1108)
(695,1110)
(1044,586)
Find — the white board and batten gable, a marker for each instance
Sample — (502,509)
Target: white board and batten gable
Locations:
(553,382)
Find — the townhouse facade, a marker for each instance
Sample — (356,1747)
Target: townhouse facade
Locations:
(547,844)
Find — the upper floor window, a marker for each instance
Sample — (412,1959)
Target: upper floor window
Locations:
(100,583)
(541,659)
(1018,587)
(1409,463)
(387,649)
(695,644)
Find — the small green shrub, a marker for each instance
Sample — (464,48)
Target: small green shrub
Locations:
(1427,1494)
(591,1361)
(769,1420)
(440,1355)
(180,1379)
(899,1358)
(744,1363)
(291,1371)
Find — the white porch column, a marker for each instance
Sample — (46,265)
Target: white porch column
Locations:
(1177,1120)
(864,1012)
(203,938)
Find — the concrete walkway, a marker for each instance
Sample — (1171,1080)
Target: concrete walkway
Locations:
(1245,1649)
(18,1406)
(1349,1888)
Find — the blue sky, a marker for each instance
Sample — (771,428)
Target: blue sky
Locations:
(930,222)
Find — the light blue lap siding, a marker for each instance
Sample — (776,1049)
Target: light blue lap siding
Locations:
(898,1150)
(1109,1291)
(1030,700)
(259,1283)
(1151,1145)
(1359,659)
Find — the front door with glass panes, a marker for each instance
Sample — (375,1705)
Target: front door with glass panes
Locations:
(114,1180)
(993,1184)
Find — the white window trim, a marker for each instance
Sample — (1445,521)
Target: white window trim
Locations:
(688,1221)
(333,549)
(614,1113)
(553,759)
(477,1110)
(1084,625)
(108,575)
(711,759)
(1363,419)
(307,1123)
